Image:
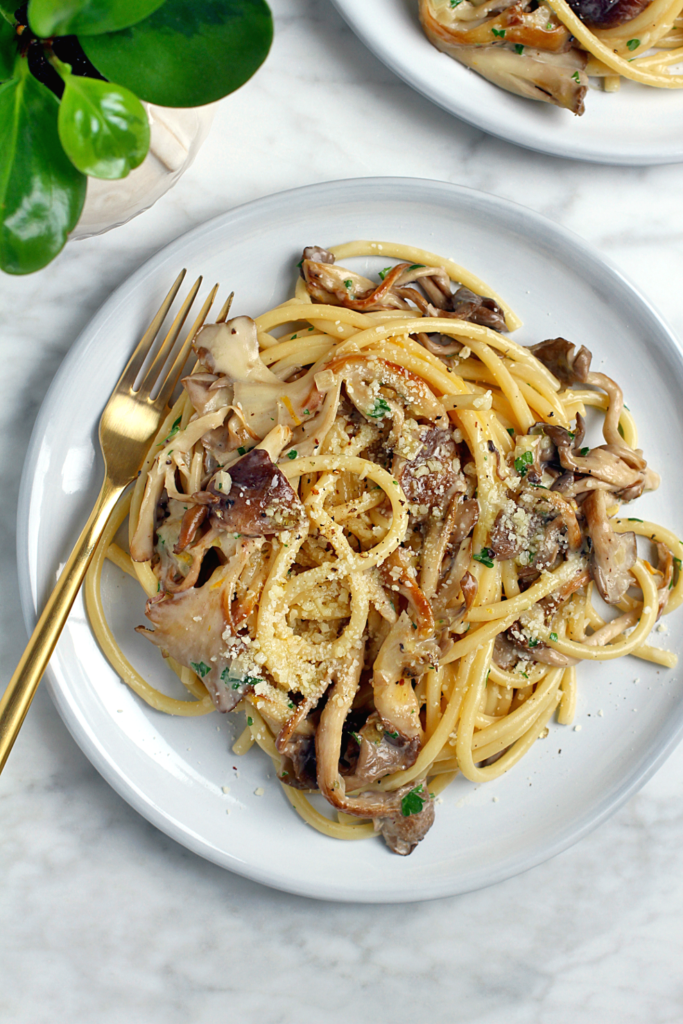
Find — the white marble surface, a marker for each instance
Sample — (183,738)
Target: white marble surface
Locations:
(104,918)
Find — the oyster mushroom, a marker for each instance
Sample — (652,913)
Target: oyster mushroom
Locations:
(255,498)
(613,555)
(607,13)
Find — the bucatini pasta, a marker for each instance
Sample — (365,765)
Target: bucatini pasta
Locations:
(372,523)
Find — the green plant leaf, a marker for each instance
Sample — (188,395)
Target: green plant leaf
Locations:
(7,9)
(8,50)
(103,127)
(187,53)
(41,192)
(86,17)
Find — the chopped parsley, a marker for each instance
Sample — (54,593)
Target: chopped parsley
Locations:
(250,720)
(549,28)
(237,683)
(242,450)
(633,44)
(576,77)
(292,454)
(519,48)
(201,668)
(392,735)
(421,266)
(523,462)
(381,408)
(300,263)
(499,32)
(348,282)
(677,563)
(584,452)
(307,412)
(173,431)
(511,430)
(454,3)
(533,642)
(554,636)
(413,802)
(632,519)
(485,556)
(383,273)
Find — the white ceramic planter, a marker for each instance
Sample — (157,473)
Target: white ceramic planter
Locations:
(176,135)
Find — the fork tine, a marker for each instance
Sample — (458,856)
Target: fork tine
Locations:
(138,357)
(173,375)
(223,315)
(154,371)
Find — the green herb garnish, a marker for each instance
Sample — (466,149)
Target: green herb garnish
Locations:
(383,273)
(523,462)
(554,636)
(201,668)
(485,556)
(576,77)
(584,452)
(173,431)
(519,48)
(633,44)
(499,32)
(292,454)
(413,802)
(381,408)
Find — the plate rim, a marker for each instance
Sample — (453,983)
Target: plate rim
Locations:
(81,732)
(480,119)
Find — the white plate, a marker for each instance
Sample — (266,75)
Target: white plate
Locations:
(171,769)
(637,125)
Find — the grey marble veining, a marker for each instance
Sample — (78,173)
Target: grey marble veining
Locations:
(105,919)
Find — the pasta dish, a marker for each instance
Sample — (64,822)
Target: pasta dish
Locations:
(547,49)
(375,524)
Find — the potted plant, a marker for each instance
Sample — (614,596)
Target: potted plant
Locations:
(73,74)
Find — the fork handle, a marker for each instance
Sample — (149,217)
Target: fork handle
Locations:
(17,698)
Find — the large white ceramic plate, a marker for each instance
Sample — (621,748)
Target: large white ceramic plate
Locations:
(636,125)
(172,770)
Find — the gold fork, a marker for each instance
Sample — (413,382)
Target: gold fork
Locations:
(130,420)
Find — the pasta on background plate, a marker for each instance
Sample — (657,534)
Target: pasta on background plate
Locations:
(548,49)
(372,522)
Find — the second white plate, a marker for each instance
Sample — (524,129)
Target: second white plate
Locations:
(173,770)
(637,125)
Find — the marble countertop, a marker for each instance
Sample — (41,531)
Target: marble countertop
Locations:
(104,918)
